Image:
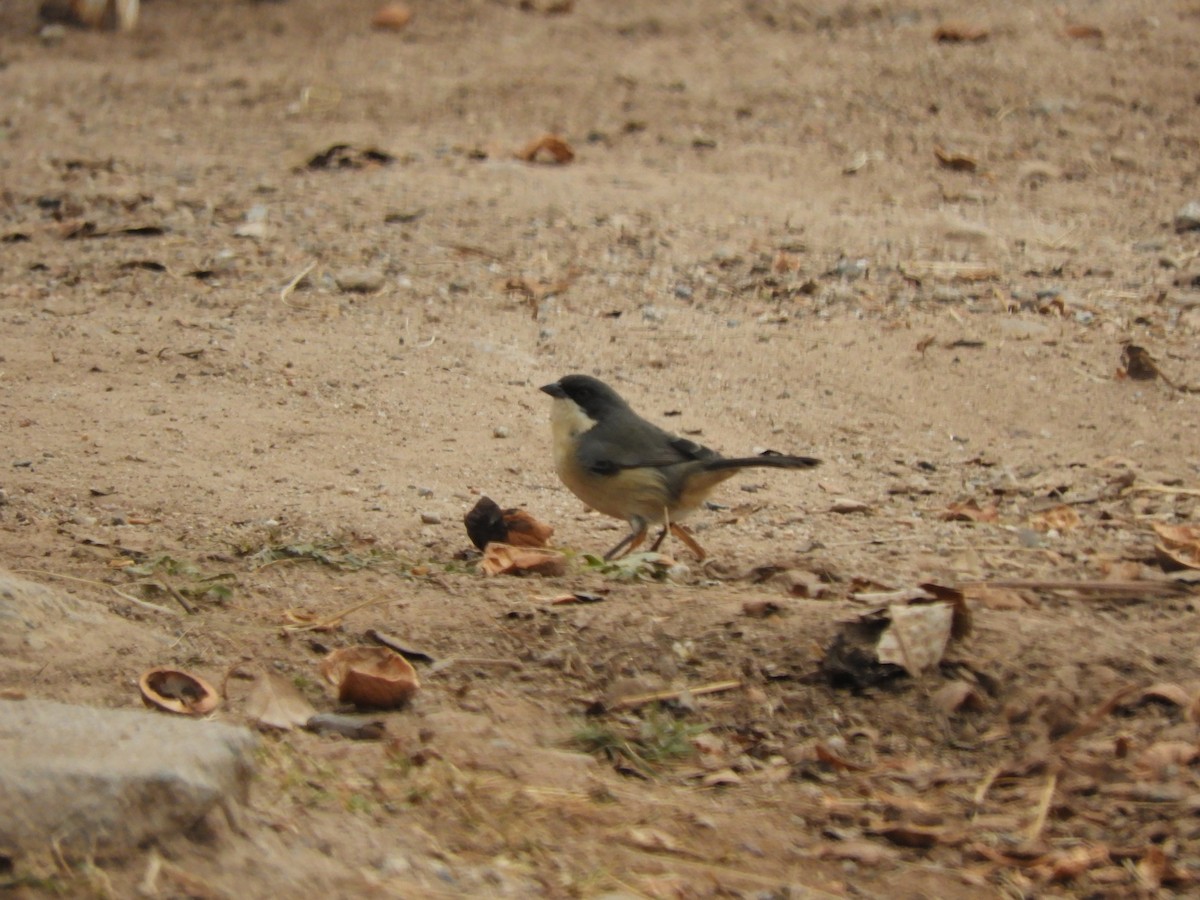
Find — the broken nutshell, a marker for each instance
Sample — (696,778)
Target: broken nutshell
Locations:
(487,523)
(174,690)
(371,677)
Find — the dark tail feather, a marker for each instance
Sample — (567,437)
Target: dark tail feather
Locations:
(772,461)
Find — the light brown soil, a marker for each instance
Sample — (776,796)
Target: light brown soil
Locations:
(174,400)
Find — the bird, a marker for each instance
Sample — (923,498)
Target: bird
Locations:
(623,466)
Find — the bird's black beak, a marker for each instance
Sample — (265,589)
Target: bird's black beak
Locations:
(555,390)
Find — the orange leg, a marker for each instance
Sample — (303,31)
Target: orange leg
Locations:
(630,542)
(692,544)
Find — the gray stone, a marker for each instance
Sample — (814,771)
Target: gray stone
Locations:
(850,269)
(359,280)
(1188,217)
(91,781)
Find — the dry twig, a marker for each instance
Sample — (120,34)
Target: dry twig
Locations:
(637,700)
(154,607)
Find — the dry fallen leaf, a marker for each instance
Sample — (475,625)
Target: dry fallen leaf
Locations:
(956,162)
(526,531)
(1162,758)
(1166,692)
(1178,546)
(785,262)
(574,597)
(357,728)
(1152,868)
(89,13)
(392,17)
(995,598)
(911,835)
(827,756)
(548,148)
(486,523)
(957,695)
(106,14)
(959,32)
(1156,869)
(1067,865)
(969,511)
(1060,518)
(917,636)
(1138,364)
(652,839)
(177,691)
(344,156)
(373,677)
(800,583)
(547,7)
(949,271)
(535,290)
(505,559)
(867,853)
(759,607)
(721,778)
(275,703)
(1121,570)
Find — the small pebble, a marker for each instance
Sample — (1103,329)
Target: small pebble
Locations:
(359,280)
(52,34)
(845,505)
(500,431)
(851,269)
(251,230)
(678,573)
(428,518)
(392,17)
(1030,538)
(1052,106)
(395,865)
(1188,218)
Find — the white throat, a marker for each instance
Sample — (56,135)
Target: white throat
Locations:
(568,419)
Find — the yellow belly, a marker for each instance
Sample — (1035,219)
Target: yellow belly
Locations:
(648,494)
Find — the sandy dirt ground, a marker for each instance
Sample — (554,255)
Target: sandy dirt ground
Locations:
(247,388)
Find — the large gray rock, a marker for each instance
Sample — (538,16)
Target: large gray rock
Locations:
(102,781)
